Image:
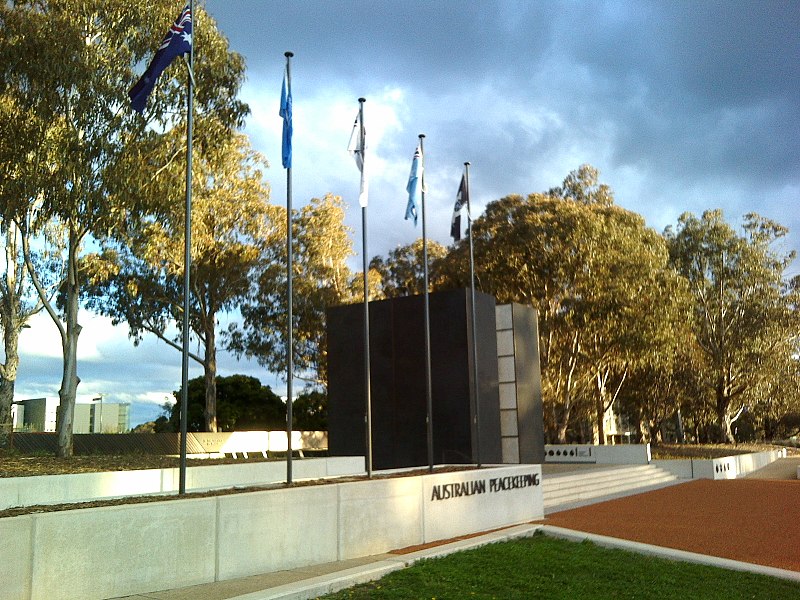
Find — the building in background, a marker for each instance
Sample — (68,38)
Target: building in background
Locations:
(96,416)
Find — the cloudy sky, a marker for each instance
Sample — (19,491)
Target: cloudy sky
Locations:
(682,106)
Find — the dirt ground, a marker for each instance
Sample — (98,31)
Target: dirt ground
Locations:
(750,520)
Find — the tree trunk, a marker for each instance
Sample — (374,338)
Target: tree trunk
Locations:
(69,346)
(210,372)
(599,429)
(11,327)
(643,425)
(8,377)
(600,408)
(563,423)
(6,398)
(655,433)
(723,413)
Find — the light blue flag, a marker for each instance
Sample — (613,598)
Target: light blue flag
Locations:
(414,187)
(286,113)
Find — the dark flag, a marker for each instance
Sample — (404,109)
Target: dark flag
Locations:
(178,41)
(462,198)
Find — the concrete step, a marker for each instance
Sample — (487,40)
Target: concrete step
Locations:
(599,478)
(570,479)
(580,488)
(612,487)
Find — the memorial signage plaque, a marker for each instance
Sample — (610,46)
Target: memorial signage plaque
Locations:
(446,491)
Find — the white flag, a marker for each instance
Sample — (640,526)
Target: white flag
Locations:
(356,147)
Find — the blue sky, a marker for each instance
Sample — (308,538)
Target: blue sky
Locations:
(682,106)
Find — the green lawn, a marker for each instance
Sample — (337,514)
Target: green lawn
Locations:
(543,567)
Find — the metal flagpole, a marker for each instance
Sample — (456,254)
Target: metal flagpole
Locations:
(289,319)
(476,391)
(365,262)
(187,259)
(428,387)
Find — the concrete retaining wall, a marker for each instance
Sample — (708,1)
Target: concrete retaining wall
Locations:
(622,454)
(82,487)
(728,467)
(97,553)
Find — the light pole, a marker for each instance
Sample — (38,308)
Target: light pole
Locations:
(100,399)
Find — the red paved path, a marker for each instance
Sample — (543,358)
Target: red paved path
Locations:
(750,520)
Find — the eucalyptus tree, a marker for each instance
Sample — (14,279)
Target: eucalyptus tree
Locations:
(17,306)
(597,276)
(744,316)
(138,279)
(66,67)
(775,399)
(320,278)
(402,271)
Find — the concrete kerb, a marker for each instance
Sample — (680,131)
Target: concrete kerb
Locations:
(668,553)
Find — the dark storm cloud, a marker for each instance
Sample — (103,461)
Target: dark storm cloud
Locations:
(682,87)
(701,87)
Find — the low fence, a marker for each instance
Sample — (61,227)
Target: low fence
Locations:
(139,548)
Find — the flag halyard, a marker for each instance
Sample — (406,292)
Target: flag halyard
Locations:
(176,42)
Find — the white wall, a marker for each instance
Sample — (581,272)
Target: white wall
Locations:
(81,487)
(728,467)
(620,454)
(97,553)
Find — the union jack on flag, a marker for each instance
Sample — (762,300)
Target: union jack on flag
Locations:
(177,42)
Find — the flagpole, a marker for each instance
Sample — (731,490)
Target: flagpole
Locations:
(365,262)
(476,390)
(289,319)
(428,386)
(187,261)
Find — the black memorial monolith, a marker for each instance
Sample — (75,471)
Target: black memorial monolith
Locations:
(397,360)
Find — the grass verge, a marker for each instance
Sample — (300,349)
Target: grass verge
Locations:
(543,567)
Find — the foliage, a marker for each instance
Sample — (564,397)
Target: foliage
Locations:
(138,279)
(310,411)
(243,404)
(65,68)
(607,300)
(402,272)
(320,278)
(744,318)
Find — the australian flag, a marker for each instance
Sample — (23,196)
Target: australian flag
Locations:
(178,41)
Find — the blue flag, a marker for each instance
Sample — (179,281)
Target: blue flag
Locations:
(286,113)
(414,187)
(178,41)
